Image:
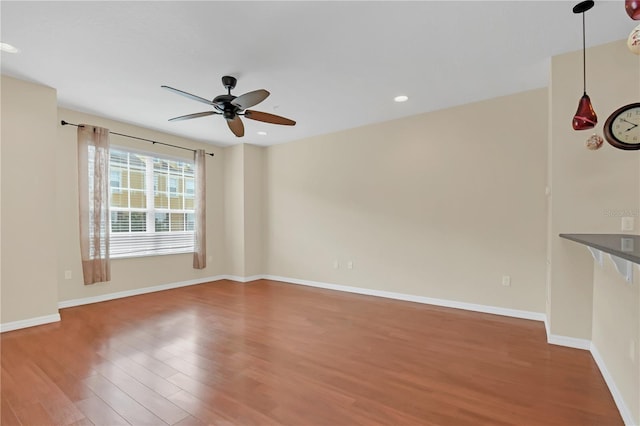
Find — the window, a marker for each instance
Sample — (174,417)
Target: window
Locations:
(115,180)
(190,186)
(152,204)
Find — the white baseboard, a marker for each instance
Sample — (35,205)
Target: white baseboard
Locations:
(625,412)
(547,327)
(570,342)
(240,279)
(30,322)
(137,291)
(516,313)
(537,316)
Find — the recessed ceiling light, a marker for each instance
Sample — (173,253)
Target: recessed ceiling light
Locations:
(401,98)
(261,133)
(6,47)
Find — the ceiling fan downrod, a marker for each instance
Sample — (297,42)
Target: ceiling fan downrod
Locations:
(229,83)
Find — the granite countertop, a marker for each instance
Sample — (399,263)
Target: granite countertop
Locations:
(624,246)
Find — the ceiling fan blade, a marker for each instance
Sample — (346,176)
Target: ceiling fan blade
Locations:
(190,116)
(250,99)
(188,95)
(268,118)
(236,126)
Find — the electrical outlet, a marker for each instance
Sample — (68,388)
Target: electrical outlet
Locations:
(67,275)
(350,264)
(506,280)
(627,223)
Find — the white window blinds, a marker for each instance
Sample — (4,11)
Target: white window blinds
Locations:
(151,204)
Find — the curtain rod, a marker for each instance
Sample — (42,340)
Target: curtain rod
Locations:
(65,123)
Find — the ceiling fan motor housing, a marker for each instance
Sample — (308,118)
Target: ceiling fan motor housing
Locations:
(229,113)
(223,104)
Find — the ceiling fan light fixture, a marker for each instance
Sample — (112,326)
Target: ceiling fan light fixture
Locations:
(401,98)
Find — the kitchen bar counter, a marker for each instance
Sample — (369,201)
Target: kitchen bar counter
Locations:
(623,246)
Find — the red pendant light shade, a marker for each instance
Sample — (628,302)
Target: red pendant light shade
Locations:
(633,9)
(585,117)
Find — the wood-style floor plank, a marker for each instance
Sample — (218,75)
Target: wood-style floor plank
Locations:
(32,414)
(145,396)
(82,422)
(200,410)
(7,416)
(141,374)
(190,421)
(100,413)
(268,353)
(123,404)
(158,367)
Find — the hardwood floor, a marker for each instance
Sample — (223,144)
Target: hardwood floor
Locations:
(268,353)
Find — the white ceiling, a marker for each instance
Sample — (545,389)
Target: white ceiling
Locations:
(328,65)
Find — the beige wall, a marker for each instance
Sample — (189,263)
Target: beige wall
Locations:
(616,328)
(132,273)
(585,185)
(254,209)
(234,210)
(244,228)
(439,205)
(29,233)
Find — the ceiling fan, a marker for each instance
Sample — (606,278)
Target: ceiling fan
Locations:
(232,107)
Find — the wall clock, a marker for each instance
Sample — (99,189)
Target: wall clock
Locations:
(622,128)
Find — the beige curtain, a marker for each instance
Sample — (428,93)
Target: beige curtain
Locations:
(93,185)
(200,244)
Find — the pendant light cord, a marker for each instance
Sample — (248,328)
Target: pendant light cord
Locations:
(584,58)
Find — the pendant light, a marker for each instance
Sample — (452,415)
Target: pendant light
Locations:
(633,42)
(594,142)
(633,9)
(585,117)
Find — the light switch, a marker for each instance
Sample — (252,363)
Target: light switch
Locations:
(627,223)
